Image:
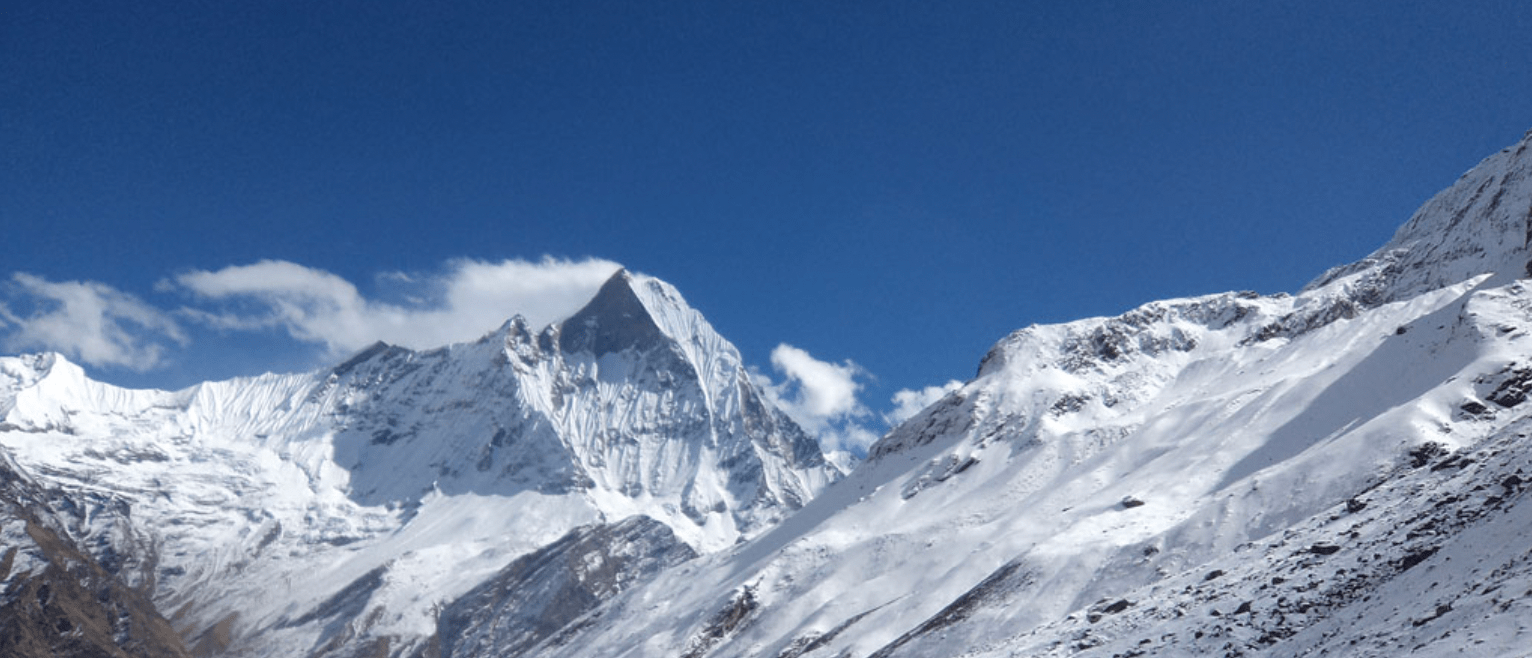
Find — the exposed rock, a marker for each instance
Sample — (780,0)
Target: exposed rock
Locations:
(991,590)
(1513,389)
(735,614)
(539,594)
(1426,453)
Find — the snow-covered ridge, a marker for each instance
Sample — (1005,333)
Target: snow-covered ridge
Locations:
(1481,224)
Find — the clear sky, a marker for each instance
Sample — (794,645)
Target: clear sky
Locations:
(892,184)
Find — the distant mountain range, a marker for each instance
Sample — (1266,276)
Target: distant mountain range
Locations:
(1341,471)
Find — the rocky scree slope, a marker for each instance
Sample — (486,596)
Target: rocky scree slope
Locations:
(341,512)
(1337,472)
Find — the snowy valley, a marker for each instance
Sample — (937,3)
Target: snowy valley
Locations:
(1341,471)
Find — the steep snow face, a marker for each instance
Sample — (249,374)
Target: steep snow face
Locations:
(1094,470)
(1430,560)
(336,511)
(635,402)
(697,431)
(19,552)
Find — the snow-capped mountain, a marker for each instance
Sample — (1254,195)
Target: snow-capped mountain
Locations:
(1338,472)
(1343,471)
(334,512)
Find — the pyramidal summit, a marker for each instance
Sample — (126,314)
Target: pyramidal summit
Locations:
(1341,471)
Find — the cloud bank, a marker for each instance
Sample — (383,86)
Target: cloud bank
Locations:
(823,398)
(99,325)
(462,302)
(86,321)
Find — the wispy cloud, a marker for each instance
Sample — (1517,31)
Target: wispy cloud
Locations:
(91,322)
(461,302)
(908,402)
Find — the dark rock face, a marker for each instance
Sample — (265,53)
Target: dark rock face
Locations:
(1142,330)
(72,606)
(735,614)
(994,589)
(614,320)
(541,593)
(1513,389)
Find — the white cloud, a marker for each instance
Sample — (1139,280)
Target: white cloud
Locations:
(826,390)
(908,402)
(542,292)
(87,321)
(822,398)
(463,302)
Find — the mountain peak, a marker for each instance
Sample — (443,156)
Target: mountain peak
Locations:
(614,320)
(27,370)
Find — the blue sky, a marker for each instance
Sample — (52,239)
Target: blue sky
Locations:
(895,185)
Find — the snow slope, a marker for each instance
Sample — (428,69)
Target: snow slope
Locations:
(333,512)
(1319,452)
